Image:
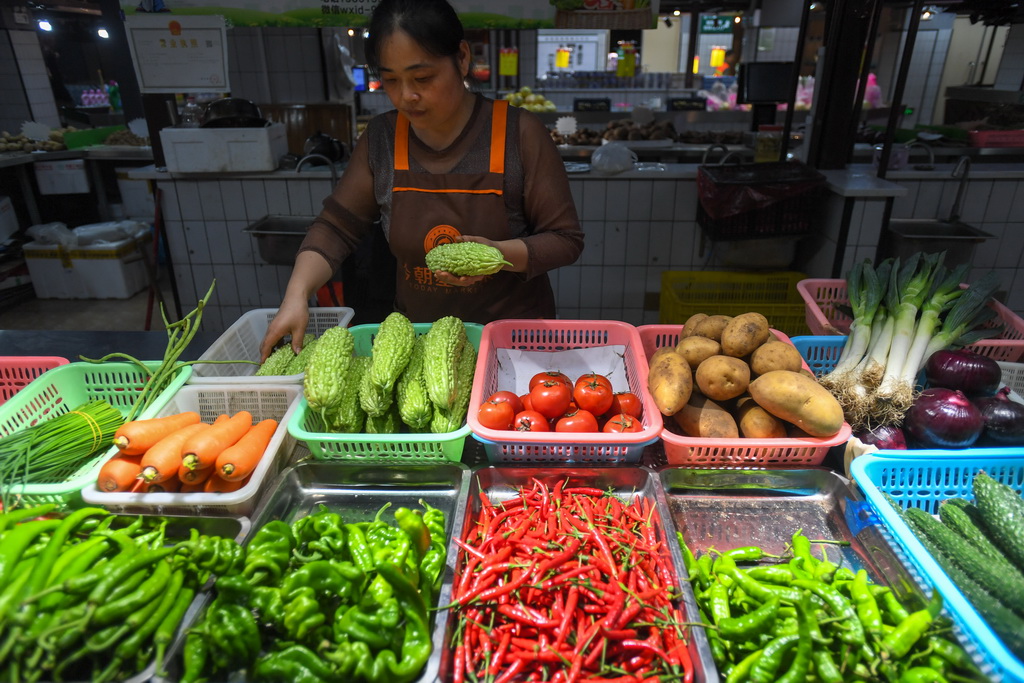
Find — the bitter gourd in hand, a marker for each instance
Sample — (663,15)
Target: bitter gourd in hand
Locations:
(414,404)
(277,362)
(443,346)
(327,367)
(298,363)
(466,258)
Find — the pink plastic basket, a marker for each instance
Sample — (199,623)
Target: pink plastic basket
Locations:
(17,371)
(822,298)
(509,446)
(689,451)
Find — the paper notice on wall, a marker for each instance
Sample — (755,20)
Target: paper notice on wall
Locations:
(179,53)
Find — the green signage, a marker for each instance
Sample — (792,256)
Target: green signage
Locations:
(714,23)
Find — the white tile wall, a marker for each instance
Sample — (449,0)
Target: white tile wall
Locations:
(1011,67)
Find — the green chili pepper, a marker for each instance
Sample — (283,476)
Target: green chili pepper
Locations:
(741,672)
(801,664)
(951,653)
(718,598)
(294,663)
(220,556)
(432,564)
(922,674)
(167,628)
(233,590)
(268,606)
(269,552)
(758,591)
(14,517)
(234,636)
(319,536)
(825,666)
(893,608)
(901,639)
(413,526)
(358,547)
(302,615)
(752,624)
(776,574)
(867,608)
(196,655)
(327,579)
(852,631)
(705,566)
(17,540)
(351,623)
(767,665)
(802,549)
(116,610)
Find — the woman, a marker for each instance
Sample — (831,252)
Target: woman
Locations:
(447,165)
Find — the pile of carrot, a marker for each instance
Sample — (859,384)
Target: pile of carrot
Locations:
(181,453)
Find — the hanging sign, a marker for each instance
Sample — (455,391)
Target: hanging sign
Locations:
(175,54)
(713,23)
(508,61)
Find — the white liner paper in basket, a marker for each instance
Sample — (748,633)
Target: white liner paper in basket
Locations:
(515,367)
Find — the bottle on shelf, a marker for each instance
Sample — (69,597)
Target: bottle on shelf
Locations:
(191,114)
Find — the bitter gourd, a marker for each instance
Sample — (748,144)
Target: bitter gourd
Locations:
(373,399)
(388,423)
(277,362)
(466,258)
(349,417)
(414,404)
(392,346)
(298,363)
(1002,509)
(450,420)
(326,369)
(443,346)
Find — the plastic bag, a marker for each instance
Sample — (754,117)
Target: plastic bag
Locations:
(109,233)
(732,189)
(613,157)
(53,233)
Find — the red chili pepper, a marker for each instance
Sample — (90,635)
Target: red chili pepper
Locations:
(511,672)
(459,675)
(583,491)
(498,659)
(518,613)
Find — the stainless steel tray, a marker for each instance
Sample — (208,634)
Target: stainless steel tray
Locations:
(499,483)
(726,509)
(357,492)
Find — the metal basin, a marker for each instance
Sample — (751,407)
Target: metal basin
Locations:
(908,236)
(278,237)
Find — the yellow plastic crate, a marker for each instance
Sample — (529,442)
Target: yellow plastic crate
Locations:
(772,294)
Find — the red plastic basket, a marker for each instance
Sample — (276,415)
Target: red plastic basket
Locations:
(509,446)
(687,451)
(823,297)
(17,371)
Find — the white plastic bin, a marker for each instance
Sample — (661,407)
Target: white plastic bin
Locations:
(114,270)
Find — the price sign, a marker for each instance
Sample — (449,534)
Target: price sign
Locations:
(508,61)
(592,104)
(687,104)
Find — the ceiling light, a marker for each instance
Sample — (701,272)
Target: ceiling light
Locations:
(102,33)
(736,20)
(45,25)
(351,32)
(676,13)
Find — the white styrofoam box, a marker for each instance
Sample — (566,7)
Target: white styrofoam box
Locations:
(242,340)
(104,271)
(61,177)
(136,195)
(8,219)
(212,150)
(264,402)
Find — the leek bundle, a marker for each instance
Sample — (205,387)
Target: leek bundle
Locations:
(902,313)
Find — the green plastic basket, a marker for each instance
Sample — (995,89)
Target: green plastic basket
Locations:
(361,448)
(61,390)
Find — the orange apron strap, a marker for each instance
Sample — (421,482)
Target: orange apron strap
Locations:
(499,115)
(402,143)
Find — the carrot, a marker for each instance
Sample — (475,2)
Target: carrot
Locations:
(136,437)
(187,476)
(202,450)
(162,460)
(217,485)
(119,473)
(238,461)
(171,485)
(192,488)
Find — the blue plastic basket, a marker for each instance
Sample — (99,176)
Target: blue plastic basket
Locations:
(924,482)
(821,353)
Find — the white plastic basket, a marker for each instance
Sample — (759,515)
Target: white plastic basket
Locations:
(242,340)
(273,401)
(1013,377)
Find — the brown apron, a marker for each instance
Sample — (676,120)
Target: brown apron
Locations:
(430,209)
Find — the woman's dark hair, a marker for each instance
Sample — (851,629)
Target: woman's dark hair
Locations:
(433,24)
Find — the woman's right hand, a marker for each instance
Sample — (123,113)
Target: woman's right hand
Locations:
(291,319)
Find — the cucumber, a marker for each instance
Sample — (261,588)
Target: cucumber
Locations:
(1008,589)
(966,521)
(1002,510)
(1006,624)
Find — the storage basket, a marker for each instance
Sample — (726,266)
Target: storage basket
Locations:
(821,353)
(822,299)
(265,402)
(687,451)
(17,371)
(242,340)
(362,448)
(511,446)
(925,482)
(767,199)
(634,19)
(1013,376)
(995,138)
(773,294)
(63,389)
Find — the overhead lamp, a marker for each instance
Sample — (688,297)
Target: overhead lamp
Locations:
(929,12)
(44,25)
(676,13)
(102,33)
(736,19)
(351,32)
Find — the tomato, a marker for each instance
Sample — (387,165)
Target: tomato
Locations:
(550,375)
(525,400)
(626,402)
(531,421)
(593,396)
(623,423)
(593,377)
(578,421)
(495,414)
(511,397)
(550,398)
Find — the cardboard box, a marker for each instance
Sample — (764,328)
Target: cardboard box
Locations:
(62,177)
(105,271)
(225,150)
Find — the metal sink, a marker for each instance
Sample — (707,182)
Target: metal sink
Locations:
(278,237)
(932,235)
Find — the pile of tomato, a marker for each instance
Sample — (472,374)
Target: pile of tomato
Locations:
(556,403)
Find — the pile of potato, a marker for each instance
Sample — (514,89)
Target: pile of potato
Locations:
(730,376)
(20,143)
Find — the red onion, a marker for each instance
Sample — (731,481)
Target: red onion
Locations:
(966,371)
(886,437)
(1004,419)
(943,418)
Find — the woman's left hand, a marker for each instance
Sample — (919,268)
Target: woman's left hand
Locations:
(465,280)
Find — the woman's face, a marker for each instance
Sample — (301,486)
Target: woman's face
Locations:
(426,88)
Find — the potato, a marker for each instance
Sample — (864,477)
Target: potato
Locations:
(722,377)
(670,380)
(703,418)
(690,326)
(712,326)
(807,373)
(744,333)
(800,400)
(757,423)
(775,355)
(698,349)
